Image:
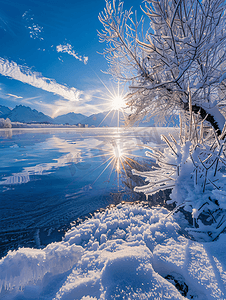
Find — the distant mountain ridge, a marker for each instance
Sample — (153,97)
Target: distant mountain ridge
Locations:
(25,114)
(70,118)
(111,118)
(4,111)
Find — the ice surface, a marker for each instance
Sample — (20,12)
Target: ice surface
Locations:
(51,177)
(122,253)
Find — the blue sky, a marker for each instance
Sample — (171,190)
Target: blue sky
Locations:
(49,55)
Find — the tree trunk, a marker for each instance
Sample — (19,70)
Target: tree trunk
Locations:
(217,122)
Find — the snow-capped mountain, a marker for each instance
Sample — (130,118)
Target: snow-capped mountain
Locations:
(4,111)
(107,118)
(25,114)
(70,118)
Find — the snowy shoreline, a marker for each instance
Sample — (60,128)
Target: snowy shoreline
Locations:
(125,251)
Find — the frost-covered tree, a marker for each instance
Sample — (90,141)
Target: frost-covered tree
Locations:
(5,123)
(174,58)
(177,49)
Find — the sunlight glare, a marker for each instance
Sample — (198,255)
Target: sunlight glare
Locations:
(118,102)
(117,151)
(117,154)
(117,159)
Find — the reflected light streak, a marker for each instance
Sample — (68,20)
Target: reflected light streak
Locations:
(117,157)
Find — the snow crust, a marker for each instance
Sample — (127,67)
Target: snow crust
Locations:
(123,253)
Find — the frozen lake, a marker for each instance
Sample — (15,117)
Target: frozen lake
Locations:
(51,177)
(52,181)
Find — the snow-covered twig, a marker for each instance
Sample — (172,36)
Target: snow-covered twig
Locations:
(193,174)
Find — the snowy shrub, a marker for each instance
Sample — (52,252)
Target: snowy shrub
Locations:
(192,168)
(5,123)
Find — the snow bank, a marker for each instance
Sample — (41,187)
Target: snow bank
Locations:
(28,266)
(126,252)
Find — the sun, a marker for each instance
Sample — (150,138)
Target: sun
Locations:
(117,102)
(115,98)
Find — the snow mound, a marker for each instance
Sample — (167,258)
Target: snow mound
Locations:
(126,252)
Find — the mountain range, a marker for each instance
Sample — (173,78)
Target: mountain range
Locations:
(25,114)
(113,118)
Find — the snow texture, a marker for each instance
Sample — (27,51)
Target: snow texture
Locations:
(126,252)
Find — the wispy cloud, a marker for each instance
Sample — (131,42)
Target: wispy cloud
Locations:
(15,96)
(89,105)
(68,49)
(60,107)
(25,75)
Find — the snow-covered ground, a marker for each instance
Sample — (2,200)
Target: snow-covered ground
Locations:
(125,252)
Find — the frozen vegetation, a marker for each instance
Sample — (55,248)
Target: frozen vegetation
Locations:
(194,169)
(5,123)
(126,252)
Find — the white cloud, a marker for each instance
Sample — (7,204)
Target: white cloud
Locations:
(25,75)
(61,107)
(34,29)
(89,105)
(85,59)
(15,96)
(68,49)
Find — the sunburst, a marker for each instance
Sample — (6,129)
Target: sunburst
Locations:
(117,157)
(114,99)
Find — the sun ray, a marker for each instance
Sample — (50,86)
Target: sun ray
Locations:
(103,170)
(102,82)
(116,98)
(134,161)
(101,155)
(128,164)
(105,118)
(113,167)
(124,171)
(93,170)
(101,98)
(140,156)
(113,116)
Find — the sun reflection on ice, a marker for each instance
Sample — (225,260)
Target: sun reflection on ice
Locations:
(117,154)
(118,158)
